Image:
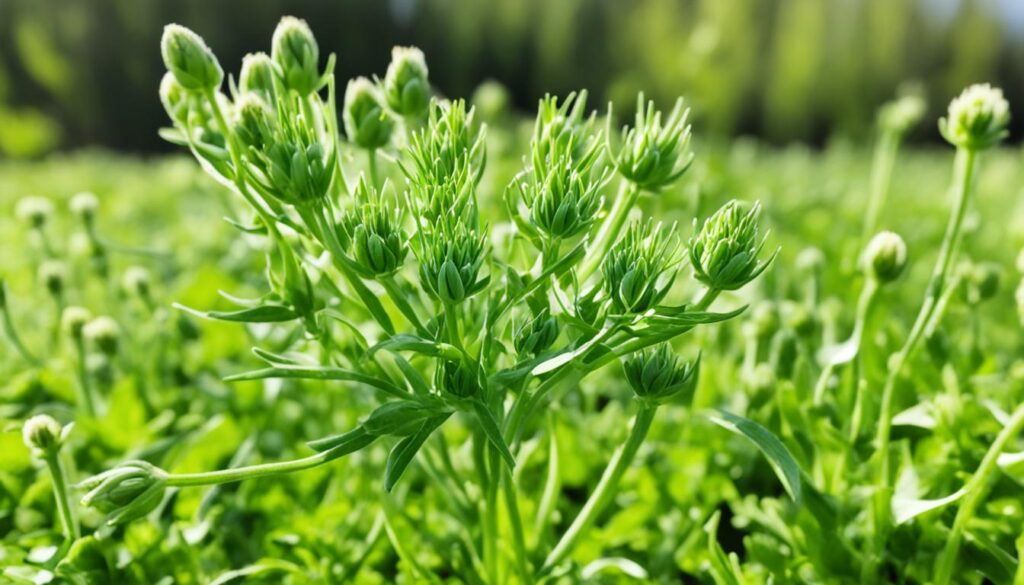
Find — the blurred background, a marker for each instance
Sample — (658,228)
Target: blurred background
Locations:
(80,73)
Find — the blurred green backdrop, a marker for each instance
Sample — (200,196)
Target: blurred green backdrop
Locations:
(75,73)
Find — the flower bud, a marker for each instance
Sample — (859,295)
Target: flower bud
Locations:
(977,118)
(34,211)
(84,205)
(73,321)
(127,492)
(298,168)
(104,333)
(406,87)
(455,379)
(491,99)
(983,281)
(253,122)
(53,275)
(192,62)
(764,319)
(655,154)
(724,254)
(175,99)
(42,434)
(657,375)
(296,53)
(450,151)
(901,114)
(137,281)
(885,257)
(257,76)
(810,260)
(451,256)
(378,243)
(640,267)
(367,123)
(536,335)
(565,202)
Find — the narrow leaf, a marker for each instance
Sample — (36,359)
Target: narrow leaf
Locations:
(319,373)
(402,455)
(258,314)
(490,427)
(778,456)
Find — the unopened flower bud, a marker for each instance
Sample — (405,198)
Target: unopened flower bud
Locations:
(455,379)
(42,434)
(654,152)
(536,335)
(406,87)
(810,260)
(253,122)
(565,202)
(450,262)
(53,274)
(657,374)
(725,252)
(104,333)
(885,257)
(257,76)
(137,281)
(901,114)
(375,234)
(367,123)
(764,319)
(74,319)
(977,118)
(34,211)
(175,99)
(84,205)
(491,100)
(983,281)
(192,62)
(296,53)
(126,492)
(640,267)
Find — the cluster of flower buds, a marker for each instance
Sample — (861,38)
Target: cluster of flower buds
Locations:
(374,233)
(655,153)
(451,255)
(725,253)
(451,146)
(977,118)
(885,257)
(640,267)
(127,492)
(454,379)
(657,375)
(536,335)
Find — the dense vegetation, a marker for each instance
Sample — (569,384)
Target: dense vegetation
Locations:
(375,367)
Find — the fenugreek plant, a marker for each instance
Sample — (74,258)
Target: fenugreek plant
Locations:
(460,325)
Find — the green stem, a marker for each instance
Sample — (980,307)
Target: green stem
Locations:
(977,488)
(398,297)
(371,156)
(881,178)
(965,163)
(516,522)
(60,492)
(249,472)
(12,335)
(606,487)
(87,399)
(625,199)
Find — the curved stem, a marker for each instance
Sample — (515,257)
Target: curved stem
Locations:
(12,335)
(977,488)
(88,401)
(60,492)
(625,199)
(965,163)
(249,472)
(606,487)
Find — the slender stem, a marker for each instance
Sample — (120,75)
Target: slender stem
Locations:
(12,335)
(60,493)
(977,488)
(625,199)
(398,297)
(865,303)
(516,522)
(606,487)
(88,400)
(881,178)
(371,156)
(965,163)
(451,322)
(249,472)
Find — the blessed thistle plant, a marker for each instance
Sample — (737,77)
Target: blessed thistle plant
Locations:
(469,329)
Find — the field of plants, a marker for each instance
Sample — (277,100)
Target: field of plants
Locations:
(358,332)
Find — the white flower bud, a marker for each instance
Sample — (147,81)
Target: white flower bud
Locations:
(34,210)
(103,332)
(42,434)
(74,319)
(885,257)
(977,118)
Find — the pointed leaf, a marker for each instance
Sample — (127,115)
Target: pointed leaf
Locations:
(778,456)
(402,455)
(490,427)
